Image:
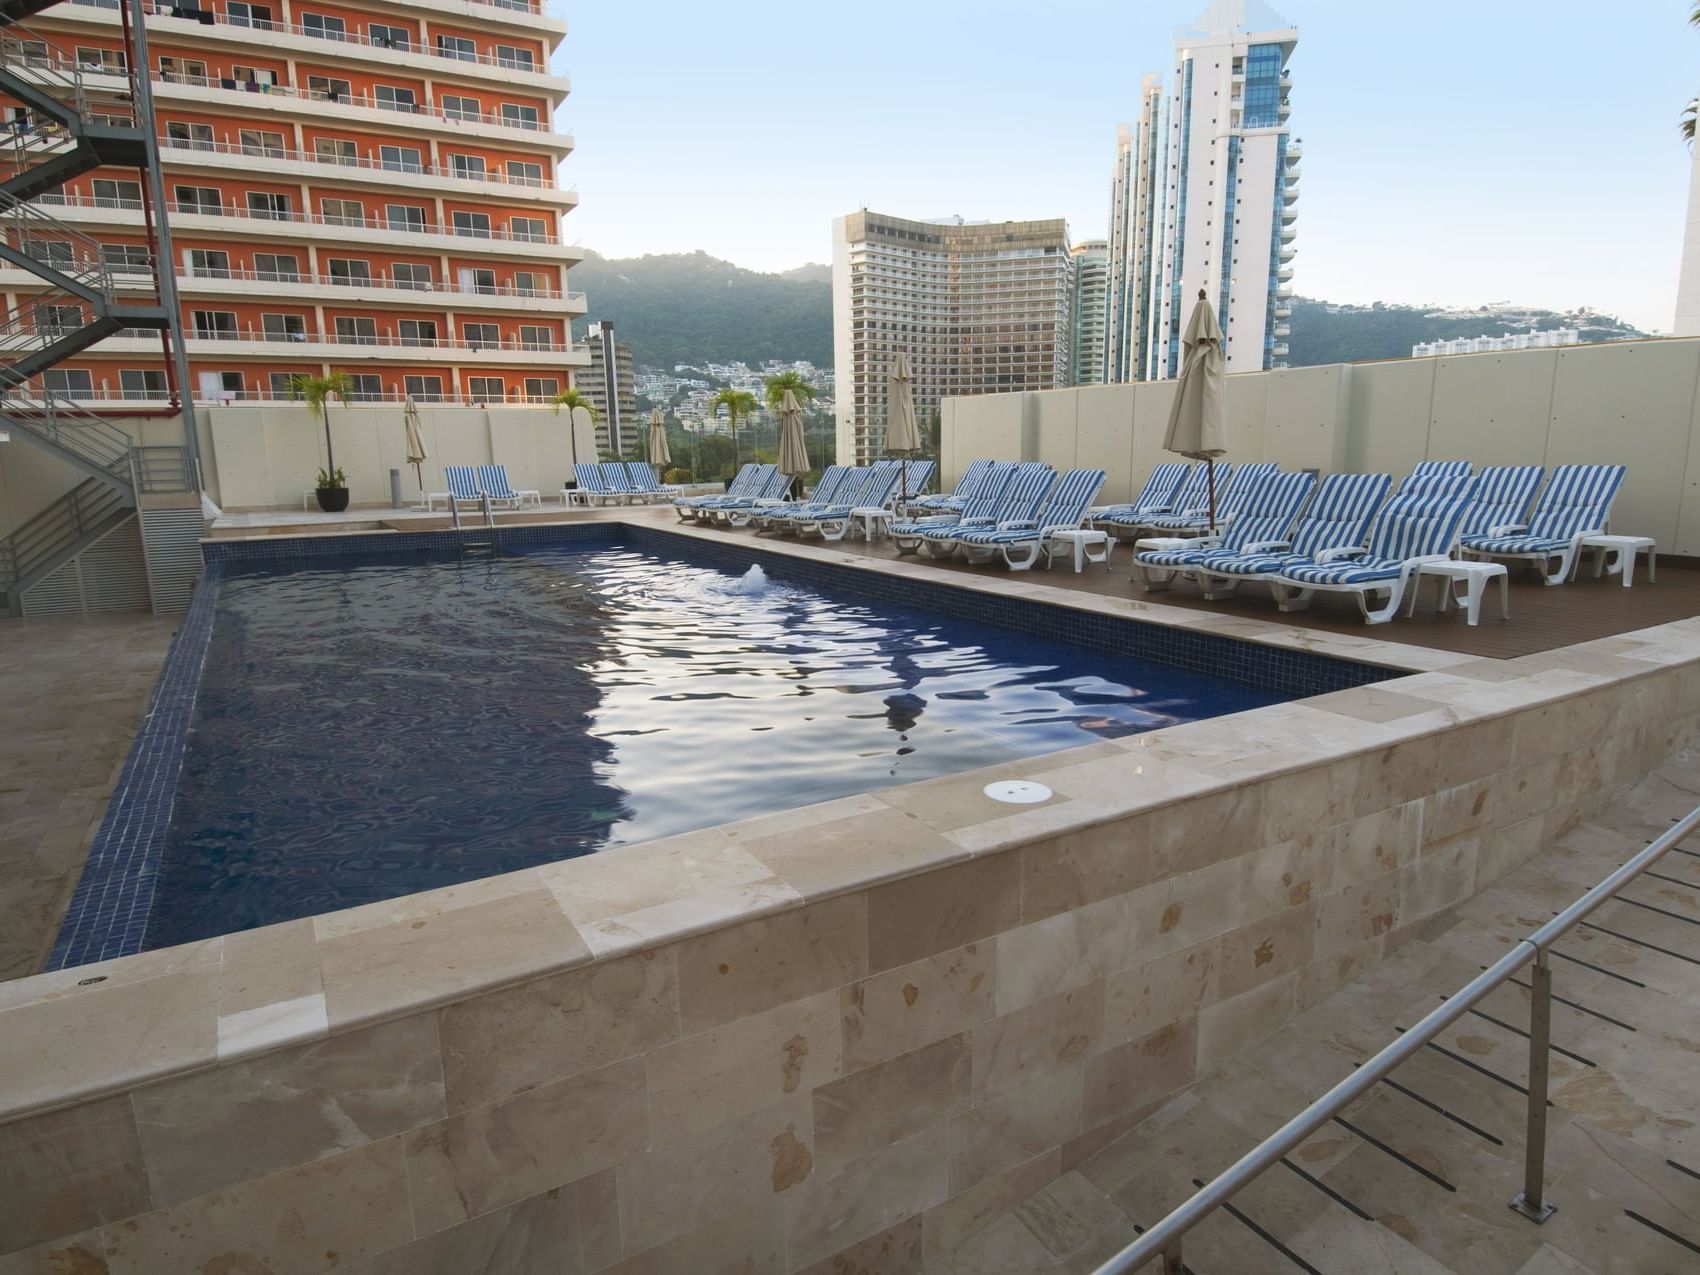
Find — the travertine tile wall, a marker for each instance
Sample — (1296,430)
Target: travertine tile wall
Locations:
(721,1052)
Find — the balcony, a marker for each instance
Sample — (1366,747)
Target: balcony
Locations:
(309,342)
(528,16)
(1288,252)
(1279,349)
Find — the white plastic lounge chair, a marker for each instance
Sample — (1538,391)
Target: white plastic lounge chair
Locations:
(832,522)
(1241,485)
(463,487)
(493,481)
(1412,529)
(593,487)
(789,519)
(1437,477)
(1191,498)
(1265,518)
(1576,503)
(836,482)
(994,480)
(1022,499)
(758,483)
(1156,497)
(1336,518)
(1021,543)
(967,487)
(742,483)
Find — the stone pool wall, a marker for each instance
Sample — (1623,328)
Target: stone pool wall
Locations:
(853,1031)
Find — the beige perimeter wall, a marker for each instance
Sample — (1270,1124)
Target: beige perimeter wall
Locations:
(1632,402)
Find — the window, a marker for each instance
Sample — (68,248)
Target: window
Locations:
(520,116)
(113,194)
(471,223)
(240,14)
(470,166)
(197,137)
(536,337)
(199,199)
(531,229)
(126,258)
(457,46)
(356,331)
(228,385)
(460,108)
(213,325)
(283,384)
(486,387)
(261,142)
(408,275)
(70,382)
(343,212)
(335,150)
(479,335)
(427,389)
(542,387)
(283,327)
(147,382)
(57,320)
(34,53)
(401,159)
(394,99)
(209,263)
(324,26)
(508,55)
(268,207)
(278,267)
(365,387)
(253,75)
(102,61)
(349,270)
(405,217)
(54,252)
(525,173)
(182,70)
(329,88)
(387,37)
(531,283)
(473,279)
(418,331)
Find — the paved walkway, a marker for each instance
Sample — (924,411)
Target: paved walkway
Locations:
(72,693)
(1415,1178)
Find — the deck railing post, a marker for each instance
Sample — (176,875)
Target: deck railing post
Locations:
(1532,1202)
(1172,1259)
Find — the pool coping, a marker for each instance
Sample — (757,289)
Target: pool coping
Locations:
(339,971)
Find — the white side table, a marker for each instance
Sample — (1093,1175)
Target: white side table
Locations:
(1082,545)
(1615,555)
(875,521)
(1474,575)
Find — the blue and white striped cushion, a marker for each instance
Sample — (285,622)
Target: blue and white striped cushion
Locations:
(1578,499)
(493,479)
(1158,494)
(1346,571)
(588,475)
(1065,508)
(1336,519)
(1027,490)
(1435,476)
(1237,493)
(463,483)
(965,487)
(1413,525)
(1269,512)
(1503,495)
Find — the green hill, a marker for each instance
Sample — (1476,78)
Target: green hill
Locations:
(1327,333)
(694,308)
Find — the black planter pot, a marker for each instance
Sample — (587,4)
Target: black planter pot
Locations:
(333,500)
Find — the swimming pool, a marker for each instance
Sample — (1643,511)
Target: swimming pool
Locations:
(365,728)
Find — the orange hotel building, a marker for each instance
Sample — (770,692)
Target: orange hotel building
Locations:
(371,188)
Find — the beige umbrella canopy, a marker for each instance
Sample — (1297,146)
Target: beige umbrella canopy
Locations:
(793,450)
(659,454)
(416,453)
(902,434)
(1198,418)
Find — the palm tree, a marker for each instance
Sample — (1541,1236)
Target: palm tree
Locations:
(317,392)
(1691,112)
(738,404)
(570,398)
(793,381)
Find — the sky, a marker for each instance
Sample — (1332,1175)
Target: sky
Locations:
(1456,152)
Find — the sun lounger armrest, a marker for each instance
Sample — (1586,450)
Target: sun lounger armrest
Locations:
(1508,528)
(1019,524)
(1266,546)
(1343,551)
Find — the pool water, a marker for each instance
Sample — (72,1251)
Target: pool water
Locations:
(363,732)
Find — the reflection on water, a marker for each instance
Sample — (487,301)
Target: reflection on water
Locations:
(370,731)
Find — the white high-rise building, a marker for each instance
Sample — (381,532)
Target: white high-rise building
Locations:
(1091,291)
(1203,198)
(979,307)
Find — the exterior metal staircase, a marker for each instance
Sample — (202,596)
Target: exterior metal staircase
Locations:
(57,534)
(84,441)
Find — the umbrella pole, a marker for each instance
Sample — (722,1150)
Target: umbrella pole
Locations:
(1210,479)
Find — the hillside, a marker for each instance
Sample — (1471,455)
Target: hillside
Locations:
(1327,333)
(694,308)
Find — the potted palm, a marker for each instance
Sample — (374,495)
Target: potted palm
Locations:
(317,392)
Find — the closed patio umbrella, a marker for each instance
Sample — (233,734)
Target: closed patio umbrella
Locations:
(902,434)
(1198,418)
(793,449)
(416,453)
(659,455)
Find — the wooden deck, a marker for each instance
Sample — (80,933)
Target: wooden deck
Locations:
(1542,618)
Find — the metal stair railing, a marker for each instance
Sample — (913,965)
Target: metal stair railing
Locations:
(80,266)
(1163,1241)
(42,542)
(161,468)
(75,430)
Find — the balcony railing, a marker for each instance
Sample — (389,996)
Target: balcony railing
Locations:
(196,14)
(382,280)
(428,107)
(380,340)
(180,208)
(259,150)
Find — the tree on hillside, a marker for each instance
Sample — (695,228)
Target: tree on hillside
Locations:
(1691,112)
(789,380)
(738,404)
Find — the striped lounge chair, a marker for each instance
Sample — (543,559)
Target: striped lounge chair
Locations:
(1264,519)
(832,522)
(908,533)
(593,486)
(967,487)
(1235,485)
(1336,518)
(1576,503)
(1156,497)
(785,519)
(1414,528)
(1192,498)
(1022,543)
(493,482)
(743,482)
(1022,499)
(834,479)
(760,483)
(1437,477)
(463,485)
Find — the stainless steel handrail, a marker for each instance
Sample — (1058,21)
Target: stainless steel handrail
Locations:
(1164,1239)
